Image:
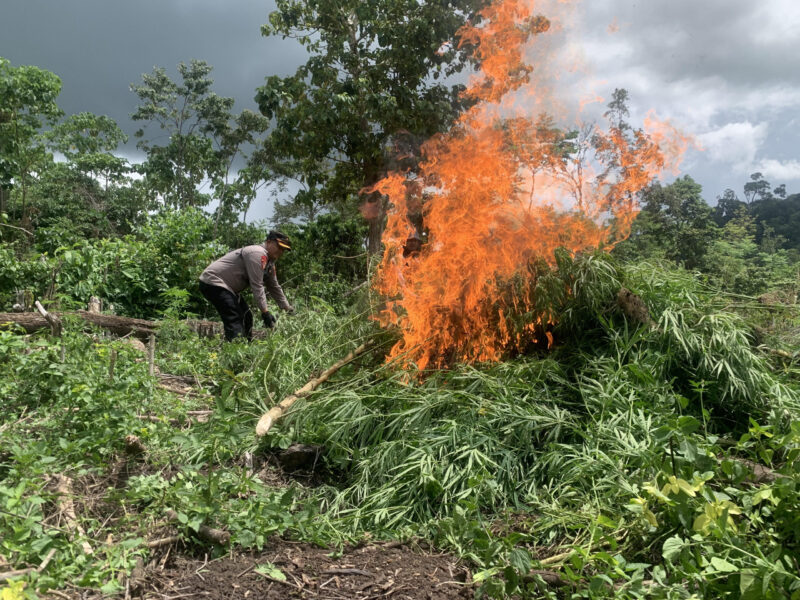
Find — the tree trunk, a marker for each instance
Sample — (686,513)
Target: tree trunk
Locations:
(31,322)
(140,328)
(373,208)
(375,234)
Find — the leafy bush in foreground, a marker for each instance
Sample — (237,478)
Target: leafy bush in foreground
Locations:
(630,460)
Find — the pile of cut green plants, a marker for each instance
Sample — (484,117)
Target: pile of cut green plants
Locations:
(633,459)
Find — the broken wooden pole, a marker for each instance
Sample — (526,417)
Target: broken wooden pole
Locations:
(276,412)
(52,320)
(151,354)
(112,361)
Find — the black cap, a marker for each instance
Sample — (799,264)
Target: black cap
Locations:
(281,238)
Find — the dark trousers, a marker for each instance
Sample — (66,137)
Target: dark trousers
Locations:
(233,310)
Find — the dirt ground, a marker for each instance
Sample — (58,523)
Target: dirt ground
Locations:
(385,570)
(285,569)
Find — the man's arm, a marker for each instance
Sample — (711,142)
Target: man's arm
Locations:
(275,289)
(255,274)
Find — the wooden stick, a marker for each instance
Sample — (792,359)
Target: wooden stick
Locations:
(53,321)
(774,352)
(28,571)
(151,354)
(166,541)
(111,363)
(67,506)
(556,558)
(276,412)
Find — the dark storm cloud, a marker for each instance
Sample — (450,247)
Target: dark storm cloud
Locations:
(100,47)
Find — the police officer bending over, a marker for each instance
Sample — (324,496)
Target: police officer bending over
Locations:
(226,278)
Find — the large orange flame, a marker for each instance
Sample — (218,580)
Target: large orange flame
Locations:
(504,188)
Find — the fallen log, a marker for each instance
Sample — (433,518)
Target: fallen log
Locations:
(141,328)
(32,322)
(276,412)
(204,532)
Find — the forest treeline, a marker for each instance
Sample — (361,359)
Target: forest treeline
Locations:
(79,220)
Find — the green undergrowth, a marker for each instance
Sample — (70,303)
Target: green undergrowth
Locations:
(630,460)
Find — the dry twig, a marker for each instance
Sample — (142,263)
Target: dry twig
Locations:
(28,571)
(67,508)
(276,412)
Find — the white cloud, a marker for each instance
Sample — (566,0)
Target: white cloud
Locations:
(779,170)
(776,22)
(735,144)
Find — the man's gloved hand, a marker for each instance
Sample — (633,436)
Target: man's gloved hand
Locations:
(268,319)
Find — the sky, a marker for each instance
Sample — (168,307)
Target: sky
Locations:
(726,72)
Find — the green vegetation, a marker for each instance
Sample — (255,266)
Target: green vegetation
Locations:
(636,458)
(625,459)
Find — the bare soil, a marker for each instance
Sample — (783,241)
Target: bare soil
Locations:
(393,570)
(375,571)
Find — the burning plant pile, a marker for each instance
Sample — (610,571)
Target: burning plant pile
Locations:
(500,192)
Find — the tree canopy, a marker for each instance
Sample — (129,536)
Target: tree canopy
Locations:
(377,70)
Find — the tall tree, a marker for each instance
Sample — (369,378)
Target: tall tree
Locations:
(781,217)
(176,169)
(205,140)
(27,103)
(89,193)
(372,74)
(88,141)
(757,189)
(674,222)
(233,137)
(728,206)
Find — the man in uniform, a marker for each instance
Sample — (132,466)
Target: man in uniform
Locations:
(224,280)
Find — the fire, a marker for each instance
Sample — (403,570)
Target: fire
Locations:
(505,188)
